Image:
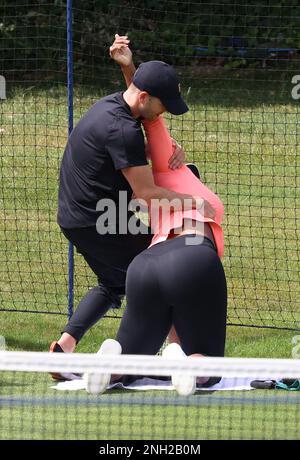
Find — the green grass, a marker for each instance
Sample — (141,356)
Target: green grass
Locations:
(155,417)
(38,412)
(245,141)
(32,332)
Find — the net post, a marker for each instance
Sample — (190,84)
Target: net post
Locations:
(70,128)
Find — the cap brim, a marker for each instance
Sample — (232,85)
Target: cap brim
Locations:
(175,106)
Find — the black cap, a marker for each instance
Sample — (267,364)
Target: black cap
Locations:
(160,80)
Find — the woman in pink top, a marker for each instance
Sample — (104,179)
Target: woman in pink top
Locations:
(179,280)
(180,180)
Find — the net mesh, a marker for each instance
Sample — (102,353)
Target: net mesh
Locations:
(236,61)
(33,132)
(32,409)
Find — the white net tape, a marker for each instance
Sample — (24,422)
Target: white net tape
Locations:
(148,365)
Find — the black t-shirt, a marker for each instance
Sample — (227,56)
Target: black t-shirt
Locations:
(106,140)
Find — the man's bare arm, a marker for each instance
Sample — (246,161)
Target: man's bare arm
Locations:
(140,178)
(141,181)
(121,53)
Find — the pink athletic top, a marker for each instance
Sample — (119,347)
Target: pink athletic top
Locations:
(180,180)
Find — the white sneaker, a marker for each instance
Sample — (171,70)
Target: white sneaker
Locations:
(98,383)
(184,384)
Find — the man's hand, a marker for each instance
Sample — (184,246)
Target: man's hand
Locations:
(178,157)
(120,52)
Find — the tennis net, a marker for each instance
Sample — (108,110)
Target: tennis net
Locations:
(143,405)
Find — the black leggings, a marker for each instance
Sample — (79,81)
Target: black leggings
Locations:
(108,256)
(176,284)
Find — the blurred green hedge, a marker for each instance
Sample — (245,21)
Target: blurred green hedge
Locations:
(33,33)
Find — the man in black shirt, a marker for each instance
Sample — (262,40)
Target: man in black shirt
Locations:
(105,156)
